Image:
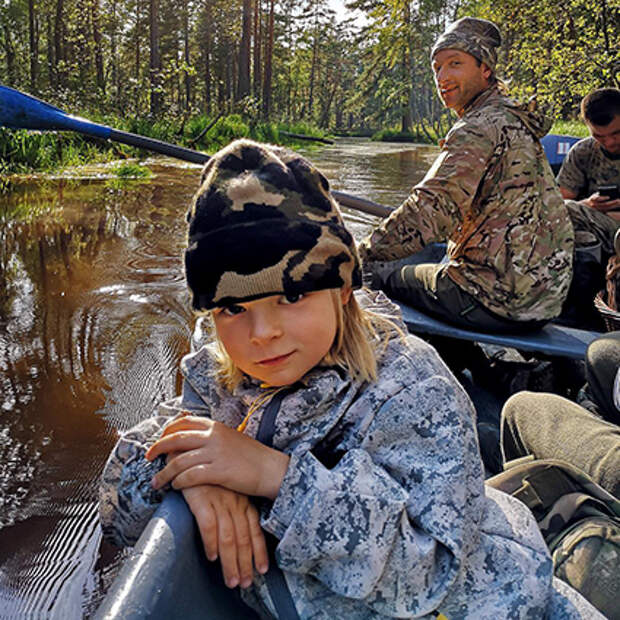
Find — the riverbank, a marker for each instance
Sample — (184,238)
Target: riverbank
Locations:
(430,136)
(23,152)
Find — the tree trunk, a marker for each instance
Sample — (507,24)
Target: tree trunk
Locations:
(33,37)
(186,57)
(98,45)
(9,52)
(230,85)
(268,63)
(405,125)
(243,78)
(58,45)
(116,70)
(339,110)
(324,122)
(79,55)
(257,48)
(206,51)
(137,54)
(51,60)
(155,58)
(315,46)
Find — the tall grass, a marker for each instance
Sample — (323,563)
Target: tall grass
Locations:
(570,128)
(26,151)
(29,151)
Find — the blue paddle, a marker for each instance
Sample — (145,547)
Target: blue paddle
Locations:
(21,111)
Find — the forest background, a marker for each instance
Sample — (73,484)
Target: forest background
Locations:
(175,68)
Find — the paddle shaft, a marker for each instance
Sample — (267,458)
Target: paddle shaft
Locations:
(150,144)
(21,111)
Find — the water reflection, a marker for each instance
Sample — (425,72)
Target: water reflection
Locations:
(383,172)
(93,320)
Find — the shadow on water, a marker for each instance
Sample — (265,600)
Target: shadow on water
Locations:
(93,321)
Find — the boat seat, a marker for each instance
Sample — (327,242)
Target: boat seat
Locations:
(552,339)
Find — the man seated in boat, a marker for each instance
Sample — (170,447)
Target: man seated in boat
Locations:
(590,174)
(491,194)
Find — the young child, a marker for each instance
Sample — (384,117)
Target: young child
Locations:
(366,464)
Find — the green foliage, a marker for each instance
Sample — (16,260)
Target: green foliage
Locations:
(561,51)
(22,151)
(93,57)
(392,135)
(266,132)
(570,128)
(25,151)
(227,129)
(129,170)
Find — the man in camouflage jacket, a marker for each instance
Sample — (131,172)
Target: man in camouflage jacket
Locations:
(491,194)
(383,511)
(594,162)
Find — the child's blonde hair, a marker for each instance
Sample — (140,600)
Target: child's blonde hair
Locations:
(361,338)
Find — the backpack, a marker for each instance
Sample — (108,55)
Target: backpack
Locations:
(579,521)
(612,276)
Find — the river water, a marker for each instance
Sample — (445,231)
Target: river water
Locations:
(93,321)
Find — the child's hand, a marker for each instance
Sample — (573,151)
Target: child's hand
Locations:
(210,452)
(230,529)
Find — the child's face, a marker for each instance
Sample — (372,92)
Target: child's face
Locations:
(276,339)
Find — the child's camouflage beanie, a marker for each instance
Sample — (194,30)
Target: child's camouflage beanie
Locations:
(478,37)
(264,223)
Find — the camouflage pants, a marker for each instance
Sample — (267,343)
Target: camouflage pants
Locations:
(586,219)
(427,287)
(549,426)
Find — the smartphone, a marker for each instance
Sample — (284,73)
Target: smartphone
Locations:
(610,191)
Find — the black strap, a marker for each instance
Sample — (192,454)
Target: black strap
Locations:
(267,426)
(276,582)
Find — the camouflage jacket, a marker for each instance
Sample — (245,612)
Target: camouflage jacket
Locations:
(586,167)
(383,511)
(492,195)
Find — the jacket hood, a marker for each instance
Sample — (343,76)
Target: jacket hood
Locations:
(529,113)
(535,120)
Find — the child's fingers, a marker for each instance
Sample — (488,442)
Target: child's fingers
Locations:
(181,462)
(176,442)
(202,473)
(206,519)
(259,544)
(244,548)
(172,455)
(227,548)
(187,423)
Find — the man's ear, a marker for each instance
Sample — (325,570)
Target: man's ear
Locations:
(486,72)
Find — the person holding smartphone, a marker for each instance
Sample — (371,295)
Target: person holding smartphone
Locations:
(589,178)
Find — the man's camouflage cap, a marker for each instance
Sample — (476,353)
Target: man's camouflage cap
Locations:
(264,223)
(478,37)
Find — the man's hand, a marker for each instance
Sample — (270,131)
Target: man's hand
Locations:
(601,203)
(230,529)
(206,452)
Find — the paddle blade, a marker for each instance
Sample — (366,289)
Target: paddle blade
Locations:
(21,111)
